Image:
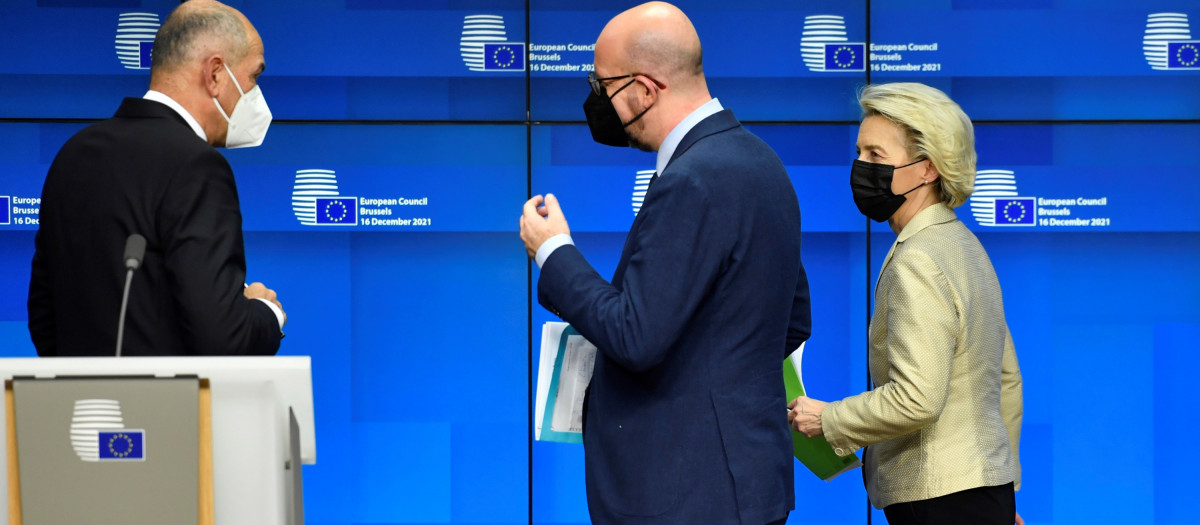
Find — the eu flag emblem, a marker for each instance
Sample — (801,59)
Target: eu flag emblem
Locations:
(5,210)
(1183,54)
(504,56)
(1016,211)
(342,211)
(845,57)
(122,445)
(144,53)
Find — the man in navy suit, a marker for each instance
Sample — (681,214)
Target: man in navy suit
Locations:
(686,418)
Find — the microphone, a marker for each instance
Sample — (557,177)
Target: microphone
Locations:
(135,249)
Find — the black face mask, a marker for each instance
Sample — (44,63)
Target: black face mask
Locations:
(872,187)
(603,120)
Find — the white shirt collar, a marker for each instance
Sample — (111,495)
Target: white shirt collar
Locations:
(667,149)
(187,117)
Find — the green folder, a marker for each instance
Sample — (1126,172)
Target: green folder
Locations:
(815,453)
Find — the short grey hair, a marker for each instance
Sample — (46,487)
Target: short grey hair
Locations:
(935,128)
(176,40)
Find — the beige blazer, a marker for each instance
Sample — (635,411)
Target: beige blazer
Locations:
(945,413)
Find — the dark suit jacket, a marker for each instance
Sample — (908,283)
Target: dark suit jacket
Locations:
(686,418)
(143,171)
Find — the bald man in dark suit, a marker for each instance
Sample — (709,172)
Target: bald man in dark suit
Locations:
(152,169)
(685,419)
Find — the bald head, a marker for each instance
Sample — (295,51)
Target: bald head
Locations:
(657,46)
(206,55)
(199,28)
(654,39)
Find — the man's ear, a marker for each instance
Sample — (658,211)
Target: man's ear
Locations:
(648,90)
(214,74)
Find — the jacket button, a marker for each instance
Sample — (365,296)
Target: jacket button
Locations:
(839,452)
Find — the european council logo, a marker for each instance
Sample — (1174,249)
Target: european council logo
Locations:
(316,201)
(825,47)
(5,210)
(95,424)
(1168,42)
(641,184)
(135,39)
(485,47)
(995,201)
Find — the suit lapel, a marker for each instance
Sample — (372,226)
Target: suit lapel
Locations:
(886,260)
(717,122)
(627,250)
(936,214)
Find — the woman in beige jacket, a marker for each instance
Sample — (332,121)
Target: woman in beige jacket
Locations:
(944,419)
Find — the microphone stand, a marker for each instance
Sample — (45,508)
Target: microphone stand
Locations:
(124,305)
(135,248)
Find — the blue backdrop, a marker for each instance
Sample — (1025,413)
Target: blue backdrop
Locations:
(412,292)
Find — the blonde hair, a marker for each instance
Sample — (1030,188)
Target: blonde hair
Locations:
(935,128)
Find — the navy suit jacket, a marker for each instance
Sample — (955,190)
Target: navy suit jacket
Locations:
(143,171)
(686,418)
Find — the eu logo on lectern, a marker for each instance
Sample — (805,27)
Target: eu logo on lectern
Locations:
(122,445)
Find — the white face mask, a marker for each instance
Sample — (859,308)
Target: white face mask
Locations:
(250,119)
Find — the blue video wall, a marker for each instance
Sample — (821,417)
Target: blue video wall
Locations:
(427,123)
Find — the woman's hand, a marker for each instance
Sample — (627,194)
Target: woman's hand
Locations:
(805,416)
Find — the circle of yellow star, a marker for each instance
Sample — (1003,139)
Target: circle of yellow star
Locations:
(112,449)
(837,56)
(1195,55)
(512,56)
(341,206)
(1019,206)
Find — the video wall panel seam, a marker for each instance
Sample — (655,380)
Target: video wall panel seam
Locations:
(1032,122)
(867,244)
(529,265)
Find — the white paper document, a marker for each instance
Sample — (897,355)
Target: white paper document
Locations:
(564,370)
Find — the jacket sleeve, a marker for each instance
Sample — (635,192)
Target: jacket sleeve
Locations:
(675,257)
(1012,401)
(42,326)
(206,266)
(800,326)
(922,327)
